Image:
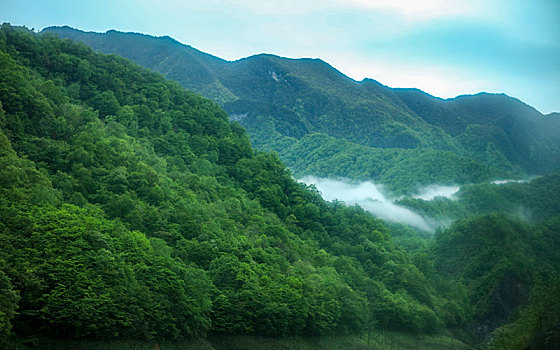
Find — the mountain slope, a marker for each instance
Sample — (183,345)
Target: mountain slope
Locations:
(277,98)
(512,262)
(131,208)
(165,55)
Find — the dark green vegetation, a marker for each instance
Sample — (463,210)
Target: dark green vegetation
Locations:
(510,269)
(376,340)
(133,209)
(323,123)
(535,201)
(133,212)
(507,255)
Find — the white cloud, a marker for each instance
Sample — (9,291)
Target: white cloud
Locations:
(430,192)
(502,182)
(420,10)
(370,197)
(285,7)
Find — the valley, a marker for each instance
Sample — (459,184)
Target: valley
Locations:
(151,201)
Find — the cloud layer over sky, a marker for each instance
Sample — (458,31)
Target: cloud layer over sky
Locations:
(445,48)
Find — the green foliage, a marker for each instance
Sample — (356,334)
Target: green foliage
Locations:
(323,123)
(131,208)
(95,278)
(535,201)
(501,260)
(404,170)
(8,304)
(536,325)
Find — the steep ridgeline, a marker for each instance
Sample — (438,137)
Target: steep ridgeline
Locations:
(131,208)
(282,102)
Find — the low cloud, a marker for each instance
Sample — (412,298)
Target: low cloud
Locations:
(501,182)
(371,197)
(430,192)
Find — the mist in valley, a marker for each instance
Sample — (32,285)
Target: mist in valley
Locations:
(432,191)
(373,198)
(503,182)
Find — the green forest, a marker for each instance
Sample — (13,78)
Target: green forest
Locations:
(323,123)
(133,209)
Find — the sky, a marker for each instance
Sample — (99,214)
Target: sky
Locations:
(444,47)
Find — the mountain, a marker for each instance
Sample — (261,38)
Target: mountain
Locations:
(510,278)
(281,102)
(131,208)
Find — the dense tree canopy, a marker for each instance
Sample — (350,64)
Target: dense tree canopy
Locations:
(323,123)
(133,208)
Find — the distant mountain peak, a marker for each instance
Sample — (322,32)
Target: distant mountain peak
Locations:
(301,96)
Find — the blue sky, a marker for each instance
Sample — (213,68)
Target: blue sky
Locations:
(445,48)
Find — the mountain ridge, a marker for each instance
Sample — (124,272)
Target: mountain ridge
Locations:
(132,208)
(58,29)
(138,211)
(305,96)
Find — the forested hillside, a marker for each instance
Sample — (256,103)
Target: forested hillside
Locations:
(282,102)
(131,208)
(510,269)
(535,201)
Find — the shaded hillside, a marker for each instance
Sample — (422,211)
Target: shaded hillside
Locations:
(131,208)
(511,271)
(304,96)
(535,201)
(486,123)
(176,61)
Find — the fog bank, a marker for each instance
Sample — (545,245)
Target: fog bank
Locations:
(371,197)
(430,192)
(501,182)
